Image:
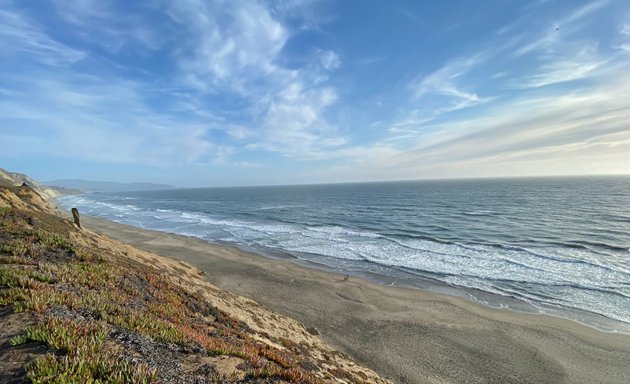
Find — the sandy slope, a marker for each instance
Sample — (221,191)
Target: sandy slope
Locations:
(407,335)
(331,364)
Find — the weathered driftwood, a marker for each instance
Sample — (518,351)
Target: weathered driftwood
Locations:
(77,219)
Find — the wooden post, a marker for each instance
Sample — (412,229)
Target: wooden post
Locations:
(77,219)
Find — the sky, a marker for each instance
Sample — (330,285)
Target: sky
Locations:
(209,92)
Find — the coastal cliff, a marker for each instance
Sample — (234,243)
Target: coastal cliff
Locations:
(76,306)
(14,179)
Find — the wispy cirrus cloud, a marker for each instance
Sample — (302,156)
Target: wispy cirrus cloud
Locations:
(440,92)
(623,43)
(101,22)
(584,11)
(443,81)
(555,31)
(561,112)
(588,128)
(561,53)
(556,54)
(568,66)
(28,38)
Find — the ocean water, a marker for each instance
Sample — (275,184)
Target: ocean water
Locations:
(554,245)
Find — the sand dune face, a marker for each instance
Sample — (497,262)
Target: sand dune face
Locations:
(13,179)
(268,324)
(407,335)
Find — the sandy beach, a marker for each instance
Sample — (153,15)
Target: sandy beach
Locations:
(407,335)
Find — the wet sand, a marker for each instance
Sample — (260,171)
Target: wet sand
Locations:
(407,335)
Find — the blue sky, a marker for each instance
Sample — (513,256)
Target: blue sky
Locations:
(203,92)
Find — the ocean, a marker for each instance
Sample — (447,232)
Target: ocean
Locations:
(551,245)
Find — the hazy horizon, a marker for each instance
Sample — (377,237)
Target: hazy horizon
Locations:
(200,93)
(473,178)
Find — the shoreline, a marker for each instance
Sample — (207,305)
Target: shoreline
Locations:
(529,285)
(399,277)
(407,334)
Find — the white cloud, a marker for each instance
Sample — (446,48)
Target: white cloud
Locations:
(233,44)
(237,49)
(329,60)
(293,124)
